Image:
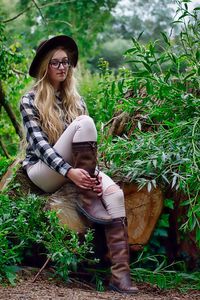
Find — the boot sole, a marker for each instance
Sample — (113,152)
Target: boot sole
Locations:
(91,218)
(115,289)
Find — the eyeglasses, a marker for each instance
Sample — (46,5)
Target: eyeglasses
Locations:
(55,64)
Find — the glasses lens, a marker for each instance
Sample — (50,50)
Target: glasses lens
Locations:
(65,62)
(55,64)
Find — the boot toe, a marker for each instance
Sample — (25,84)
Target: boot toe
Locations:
(124,289)
(99,217)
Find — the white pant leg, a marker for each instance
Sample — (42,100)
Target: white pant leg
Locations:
(113,199)
(80,130)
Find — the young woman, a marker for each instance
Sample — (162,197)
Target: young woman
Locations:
(61,146)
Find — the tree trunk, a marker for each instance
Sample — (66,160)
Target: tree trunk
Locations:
(3,147)
(143,208)
(10,112)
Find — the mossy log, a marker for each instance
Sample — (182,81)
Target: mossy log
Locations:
(143,208)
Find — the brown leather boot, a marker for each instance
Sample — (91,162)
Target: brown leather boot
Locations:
(84,156)
(117,242)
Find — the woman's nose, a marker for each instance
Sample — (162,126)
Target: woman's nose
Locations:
(61,66)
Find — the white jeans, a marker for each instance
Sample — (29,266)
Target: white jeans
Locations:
(80,130)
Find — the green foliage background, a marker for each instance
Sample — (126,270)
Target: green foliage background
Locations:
(168,155)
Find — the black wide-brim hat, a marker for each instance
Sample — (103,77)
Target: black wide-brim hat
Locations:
(61,40)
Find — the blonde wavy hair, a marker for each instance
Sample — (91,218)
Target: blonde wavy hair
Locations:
(51,115)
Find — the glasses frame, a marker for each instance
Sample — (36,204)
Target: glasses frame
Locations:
(60,62)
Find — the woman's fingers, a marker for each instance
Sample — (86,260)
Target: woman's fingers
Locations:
(83,179)
(98,187)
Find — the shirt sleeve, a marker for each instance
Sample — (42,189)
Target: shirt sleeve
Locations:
(38,140)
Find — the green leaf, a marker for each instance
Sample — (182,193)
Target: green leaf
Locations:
(120,85)
(139,125)
(166,39)
(154,162)
(165,178)
(169,203)
(113,88)
(147,66)
(149,186)
(153,182)
(183,15)
(139,36)
(131,50)
(174,180)
(198,236)
(198,55)
(186,202)
(10,272)
(190,75)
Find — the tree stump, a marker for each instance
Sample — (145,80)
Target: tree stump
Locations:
(143,208)
(64,202)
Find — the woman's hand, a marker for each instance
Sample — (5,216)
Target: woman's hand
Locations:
(81,178)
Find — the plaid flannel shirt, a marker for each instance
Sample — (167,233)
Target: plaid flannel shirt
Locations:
(38,145)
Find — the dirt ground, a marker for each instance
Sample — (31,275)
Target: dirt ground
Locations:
(47,289)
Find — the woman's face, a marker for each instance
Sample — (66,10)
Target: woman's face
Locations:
(58,68)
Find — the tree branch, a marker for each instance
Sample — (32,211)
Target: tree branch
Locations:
(59,21)
(3,147)
(56,3)
(38,7)
(19,14)
(10,112)
(18,72)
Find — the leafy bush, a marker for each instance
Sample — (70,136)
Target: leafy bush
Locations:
(164,83)
(24,223)
(163,148)
(13,80)
(4,164)
(165,276)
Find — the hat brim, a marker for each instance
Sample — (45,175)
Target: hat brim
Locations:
(62,40)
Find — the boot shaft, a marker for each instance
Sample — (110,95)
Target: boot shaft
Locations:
(117,241)
(84,156)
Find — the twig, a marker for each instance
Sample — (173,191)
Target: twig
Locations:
(113,118)
(17,16)
(3,147)
(56,3)
(38,273)
(82,283)
(59,21)
(18,72)
(40,11)
(38,7)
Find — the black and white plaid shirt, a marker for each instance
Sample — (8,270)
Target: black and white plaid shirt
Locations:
(38,145)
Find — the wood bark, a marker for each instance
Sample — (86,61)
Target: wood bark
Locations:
(10,112)
(3,147)
(143,208)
